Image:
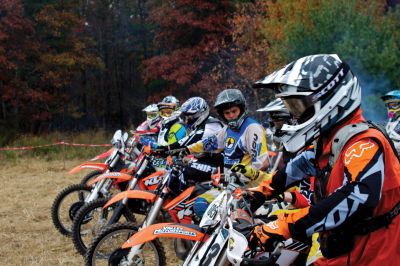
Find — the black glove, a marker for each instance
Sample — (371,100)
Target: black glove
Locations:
(184,152)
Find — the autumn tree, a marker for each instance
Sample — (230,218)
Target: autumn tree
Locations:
(193,54)
(20,101)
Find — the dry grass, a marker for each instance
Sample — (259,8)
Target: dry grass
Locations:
(28,237)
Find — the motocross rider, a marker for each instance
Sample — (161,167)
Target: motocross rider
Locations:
(392,102)
(303,196)
(357,181)
(151,126)
(171,129)
(242,140)
(195,113)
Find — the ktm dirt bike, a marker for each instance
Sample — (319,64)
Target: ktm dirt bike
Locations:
(106,247)
(220,238)
(71,199)
(92,217)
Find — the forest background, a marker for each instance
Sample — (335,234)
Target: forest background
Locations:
(79,65)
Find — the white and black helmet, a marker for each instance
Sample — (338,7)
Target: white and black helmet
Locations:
(319,91)
(152,115)
(194,111)
(229,98)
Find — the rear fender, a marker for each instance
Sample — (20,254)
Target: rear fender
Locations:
(97,166)
(131,194)
(162,230)
(119,177)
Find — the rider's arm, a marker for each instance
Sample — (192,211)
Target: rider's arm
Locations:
(256,146)
(360,193)
(300,167)
(214,143)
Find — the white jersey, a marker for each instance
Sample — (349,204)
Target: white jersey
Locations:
(393,130)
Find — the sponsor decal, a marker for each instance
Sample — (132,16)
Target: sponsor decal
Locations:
(229,142)
(174,230)
(112,174)
(153,181)
(357,150)
(253,151)
(273,225)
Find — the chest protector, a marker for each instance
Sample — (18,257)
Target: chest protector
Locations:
(389,208)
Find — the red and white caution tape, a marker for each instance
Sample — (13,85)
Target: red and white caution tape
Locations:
(53,144)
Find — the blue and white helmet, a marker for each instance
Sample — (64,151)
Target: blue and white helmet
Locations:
(392,102)
(152,115)
(194,111)
(319,91)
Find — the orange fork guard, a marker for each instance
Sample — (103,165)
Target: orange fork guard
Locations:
(98,166)
(171,230)
(131,194)
(121,177)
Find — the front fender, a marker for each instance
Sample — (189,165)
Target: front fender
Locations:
(103,155)
(175,230)
(97,166)
(131,194)
(121,177)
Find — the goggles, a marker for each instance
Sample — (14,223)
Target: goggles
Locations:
(151,115)
(300,107)
(166,112)
(392,105)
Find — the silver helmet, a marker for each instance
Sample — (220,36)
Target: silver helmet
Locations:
(152,115)
(319,91)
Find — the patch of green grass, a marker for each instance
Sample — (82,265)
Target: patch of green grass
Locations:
(58,152)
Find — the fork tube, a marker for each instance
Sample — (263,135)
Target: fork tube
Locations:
(155,210)
(95,191)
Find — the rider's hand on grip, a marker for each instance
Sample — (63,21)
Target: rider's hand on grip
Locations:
(246,170)
(266,235)
(184,152)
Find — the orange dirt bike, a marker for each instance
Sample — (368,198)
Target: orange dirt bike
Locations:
(220,238)
(92,217)
(71,199)
(105,248)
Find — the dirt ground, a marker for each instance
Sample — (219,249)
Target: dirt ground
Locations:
(28,237)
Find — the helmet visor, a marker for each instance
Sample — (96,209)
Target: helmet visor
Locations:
(166,112)
(300,107)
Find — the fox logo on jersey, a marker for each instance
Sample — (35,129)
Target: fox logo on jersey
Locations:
(357,150)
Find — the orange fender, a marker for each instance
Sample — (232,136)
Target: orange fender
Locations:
(131,194)
(97,166)
(172,230)
(121,177)
(103,155)
(184,195)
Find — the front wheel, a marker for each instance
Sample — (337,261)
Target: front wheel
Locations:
(91,219)
(90,176)
(105,248)
(66,205)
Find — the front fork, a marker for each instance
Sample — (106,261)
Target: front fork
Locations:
(150,219)
(121,205)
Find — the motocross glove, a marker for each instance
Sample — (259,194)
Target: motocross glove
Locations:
(267,235)
(246,170)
